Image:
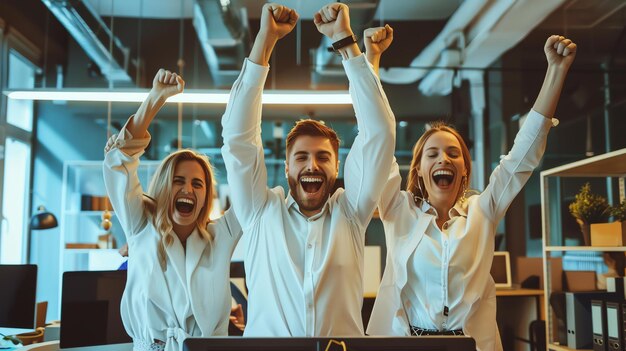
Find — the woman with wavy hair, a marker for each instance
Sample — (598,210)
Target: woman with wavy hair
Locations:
(179,259)
(440,238)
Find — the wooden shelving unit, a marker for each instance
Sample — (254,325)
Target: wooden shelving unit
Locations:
(81,225)
(556,347)
(612,164)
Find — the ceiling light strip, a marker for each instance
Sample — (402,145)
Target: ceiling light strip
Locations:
(272,97)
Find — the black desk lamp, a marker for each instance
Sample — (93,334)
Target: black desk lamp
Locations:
(43,219)
(40,221)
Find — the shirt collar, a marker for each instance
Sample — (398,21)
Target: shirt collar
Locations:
(290,201)
(427,208)
(459,209)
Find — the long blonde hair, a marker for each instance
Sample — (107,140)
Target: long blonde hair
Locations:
(161,197)
(413,184)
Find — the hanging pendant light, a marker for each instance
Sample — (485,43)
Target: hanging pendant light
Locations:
(43,219)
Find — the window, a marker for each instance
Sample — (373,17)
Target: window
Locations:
(15,141)
(21,76)
(15,201)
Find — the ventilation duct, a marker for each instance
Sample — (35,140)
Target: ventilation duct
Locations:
(441,80)
(94,36)
(489,28)
(462,17)
(327,68)
(224,35)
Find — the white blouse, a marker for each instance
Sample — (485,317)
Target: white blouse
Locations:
(305,275)
(192,296)
(440,278)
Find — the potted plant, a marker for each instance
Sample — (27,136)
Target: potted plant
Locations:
(589,208)
(611,234)
(619,212)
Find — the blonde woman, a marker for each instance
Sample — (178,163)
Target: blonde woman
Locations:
(440,240)
(179,260)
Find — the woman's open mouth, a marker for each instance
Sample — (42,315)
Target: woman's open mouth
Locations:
(443,178)
(185,206)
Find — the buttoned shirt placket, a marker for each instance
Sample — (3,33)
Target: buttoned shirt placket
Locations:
(315,226)
(445,263)
(445,258)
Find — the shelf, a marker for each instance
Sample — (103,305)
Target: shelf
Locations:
(556,347)
(587,248)
(519,292)
(87,213)
(87,251)
(612,164)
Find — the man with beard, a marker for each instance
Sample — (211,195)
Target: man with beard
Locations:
(304,255)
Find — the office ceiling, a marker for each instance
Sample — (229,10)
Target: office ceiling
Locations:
(152,31)
(391,10)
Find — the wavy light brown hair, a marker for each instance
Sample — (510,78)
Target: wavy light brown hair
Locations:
(161,197)
(312,128)
(413,184)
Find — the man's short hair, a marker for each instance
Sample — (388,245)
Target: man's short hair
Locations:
(313,128)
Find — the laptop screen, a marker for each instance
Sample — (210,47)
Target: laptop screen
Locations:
(17,296)
(501,269)
(90,309)
(368,343)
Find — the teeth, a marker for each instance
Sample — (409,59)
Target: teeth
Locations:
(310,180)
(185,200)
(443,172)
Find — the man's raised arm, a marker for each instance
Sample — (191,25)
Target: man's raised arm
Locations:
(243,149)
(368,163)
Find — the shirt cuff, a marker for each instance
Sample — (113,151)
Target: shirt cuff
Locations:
(539,122)
(126,141)
(254,74)
(553,121)
(355,66)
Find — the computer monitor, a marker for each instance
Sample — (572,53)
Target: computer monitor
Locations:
(18,296)
(367,343)
(90,309)
(501,269)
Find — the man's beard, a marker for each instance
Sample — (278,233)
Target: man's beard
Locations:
(298,193)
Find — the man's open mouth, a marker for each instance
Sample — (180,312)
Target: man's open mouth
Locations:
(311,184)
(443,177)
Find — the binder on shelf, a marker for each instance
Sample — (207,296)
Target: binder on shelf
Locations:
(579,317)
(85,202)
(95,203)
(598,323)
(614,326)
(623,325)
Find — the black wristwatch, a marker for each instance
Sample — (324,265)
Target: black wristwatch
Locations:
(342,43)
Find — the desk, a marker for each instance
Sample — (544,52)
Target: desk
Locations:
(514,315)
(54,346)
(537,293)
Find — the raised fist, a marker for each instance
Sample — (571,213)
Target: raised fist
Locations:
(560,51)
(277,20)
(333,20)
(377,39)
(167,84)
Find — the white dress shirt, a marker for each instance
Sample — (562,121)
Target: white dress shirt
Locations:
(305,275)
(192,296)
(440,278)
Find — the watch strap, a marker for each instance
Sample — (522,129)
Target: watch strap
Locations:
(342,43)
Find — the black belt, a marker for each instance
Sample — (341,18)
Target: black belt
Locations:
(415,331)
